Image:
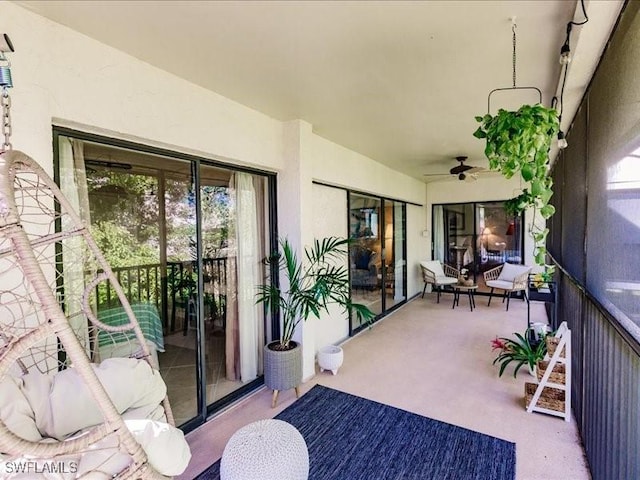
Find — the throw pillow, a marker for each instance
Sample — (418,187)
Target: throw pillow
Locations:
(362,259)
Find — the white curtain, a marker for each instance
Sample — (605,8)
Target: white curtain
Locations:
(244,321)
(73,183)
(438,233)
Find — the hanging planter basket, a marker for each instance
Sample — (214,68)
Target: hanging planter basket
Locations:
(518,142)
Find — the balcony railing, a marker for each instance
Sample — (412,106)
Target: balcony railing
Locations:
(172,288)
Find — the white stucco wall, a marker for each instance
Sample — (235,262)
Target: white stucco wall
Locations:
(63,77)
(418,247)
(337,165)
(330,220)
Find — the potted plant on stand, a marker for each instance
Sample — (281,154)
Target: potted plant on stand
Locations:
(520,350)
(311,285)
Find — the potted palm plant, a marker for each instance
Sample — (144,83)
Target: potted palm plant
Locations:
(310,286)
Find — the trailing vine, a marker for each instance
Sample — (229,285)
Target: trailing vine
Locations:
(519,142)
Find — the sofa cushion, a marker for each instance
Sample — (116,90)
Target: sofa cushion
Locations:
(510,271)
(362,259)
(501,284)
(435,266)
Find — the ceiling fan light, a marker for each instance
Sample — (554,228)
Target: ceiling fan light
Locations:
(462,176)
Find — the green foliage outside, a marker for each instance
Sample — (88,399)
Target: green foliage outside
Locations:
(126,220)
(120,247)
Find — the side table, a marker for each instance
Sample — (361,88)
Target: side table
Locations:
(470,290)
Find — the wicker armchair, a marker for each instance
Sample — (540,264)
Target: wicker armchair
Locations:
(508,278)
(439,275)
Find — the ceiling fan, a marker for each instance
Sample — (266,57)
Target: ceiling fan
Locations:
(462,171)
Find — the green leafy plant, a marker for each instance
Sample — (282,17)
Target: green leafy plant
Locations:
(518,350)
(519,142)
(542,278)
(311,285)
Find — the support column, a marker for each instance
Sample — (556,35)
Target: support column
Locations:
(295,214)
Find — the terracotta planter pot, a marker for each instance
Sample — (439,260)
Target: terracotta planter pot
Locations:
(282,369)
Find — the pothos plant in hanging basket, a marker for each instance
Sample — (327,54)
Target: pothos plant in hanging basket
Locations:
(518,142)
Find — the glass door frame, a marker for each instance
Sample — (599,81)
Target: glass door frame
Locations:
(475,235)
(384,269)
(204,411)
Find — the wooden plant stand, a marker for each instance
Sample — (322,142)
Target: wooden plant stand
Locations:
(552,393)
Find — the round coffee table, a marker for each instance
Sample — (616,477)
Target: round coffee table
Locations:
(470,290)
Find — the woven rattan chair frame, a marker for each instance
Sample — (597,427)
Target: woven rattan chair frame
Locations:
(519,284)
(22,177)
(429,278)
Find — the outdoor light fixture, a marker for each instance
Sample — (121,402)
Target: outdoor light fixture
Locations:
(565,59)
(562,142)
(565,54)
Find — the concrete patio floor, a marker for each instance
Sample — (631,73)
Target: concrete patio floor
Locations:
(434,361)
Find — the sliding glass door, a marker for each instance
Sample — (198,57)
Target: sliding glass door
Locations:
(476,237)
(377,254)
(233,233)
(500,239)
(365,252)
(395,253)
(185,239)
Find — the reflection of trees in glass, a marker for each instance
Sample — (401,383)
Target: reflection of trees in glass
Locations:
(216,219)
(120,247)
(124,216)
(180,221)
(126,223)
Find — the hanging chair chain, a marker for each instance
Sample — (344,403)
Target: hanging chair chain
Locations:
(5,100)
(6,119)
(513,29)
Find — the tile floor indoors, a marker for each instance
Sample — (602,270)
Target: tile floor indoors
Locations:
(177,366)
(434,361)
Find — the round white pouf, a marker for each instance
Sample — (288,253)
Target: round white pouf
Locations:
(264,450)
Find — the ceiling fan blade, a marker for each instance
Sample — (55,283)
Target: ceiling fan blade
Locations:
(459,169)
(470,177)
(476,170)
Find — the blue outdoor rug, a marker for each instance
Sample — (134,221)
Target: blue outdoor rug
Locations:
(352,438)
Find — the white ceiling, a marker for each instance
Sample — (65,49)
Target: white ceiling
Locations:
(397,81)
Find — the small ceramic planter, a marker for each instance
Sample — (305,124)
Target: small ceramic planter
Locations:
(330,358)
